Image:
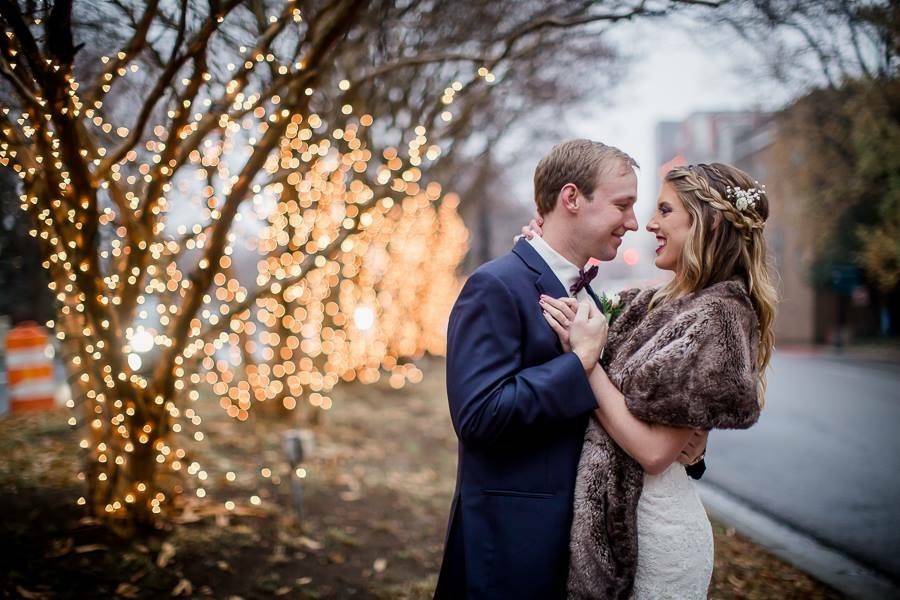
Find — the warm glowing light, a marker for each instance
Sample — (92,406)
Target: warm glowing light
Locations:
(141,341)
(631,257)
(356,253)
(364,318)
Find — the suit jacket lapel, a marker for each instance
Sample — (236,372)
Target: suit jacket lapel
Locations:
(593,296)
(547,282)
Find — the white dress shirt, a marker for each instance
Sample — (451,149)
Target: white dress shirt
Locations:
(565,271)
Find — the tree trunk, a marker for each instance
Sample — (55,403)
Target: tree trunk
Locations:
(130,497)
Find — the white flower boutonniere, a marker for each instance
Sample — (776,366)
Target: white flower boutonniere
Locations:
(611,305)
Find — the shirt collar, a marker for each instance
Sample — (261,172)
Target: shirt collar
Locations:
(565,271)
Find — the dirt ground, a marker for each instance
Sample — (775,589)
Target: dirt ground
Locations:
(376,499)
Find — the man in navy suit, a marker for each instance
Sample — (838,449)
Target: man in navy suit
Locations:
(520,405)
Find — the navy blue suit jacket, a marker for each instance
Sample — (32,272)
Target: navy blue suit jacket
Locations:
(520,407)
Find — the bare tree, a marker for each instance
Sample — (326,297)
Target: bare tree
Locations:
(153,139)
(812,43)
(841,132)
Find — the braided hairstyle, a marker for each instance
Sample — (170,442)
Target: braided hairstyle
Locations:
(725,242)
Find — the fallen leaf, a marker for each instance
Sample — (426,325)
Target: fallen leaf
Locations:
(223,565)
(127,590)
(303,580)
(279,556)
(137,576)
(243,530)
(165,555)
(342,537)
(282,591)
(187,516)
(60,548)
(29,594)
(184,588)
(310,543)
(89,548)
(380,565)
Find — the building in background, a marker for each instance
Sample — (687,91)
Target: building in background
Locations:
(705,137)
(761,152)
(749,140)
(839,308)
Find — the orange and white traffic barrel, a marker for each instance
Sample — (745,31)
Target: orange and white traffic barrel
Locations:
(29,367)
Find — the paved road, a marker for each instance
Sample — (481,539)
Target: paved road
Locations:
(824,457)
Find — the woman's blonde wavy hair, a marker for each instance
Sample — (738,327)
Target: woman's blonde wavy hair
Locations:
(724,242)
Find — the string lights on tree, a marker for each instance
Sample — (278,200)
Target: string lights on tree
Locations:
(233,197)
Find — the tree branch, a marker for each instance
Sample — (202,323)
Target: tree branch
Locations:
(134,46)
(197,45)
(334,27)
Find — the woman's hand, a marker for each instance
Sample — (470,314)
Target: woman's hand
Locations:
(583,332)
(560,313)
(695,448)
(534,228)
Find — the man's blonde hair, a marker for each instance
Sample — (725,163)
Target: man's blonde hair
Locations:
(580,162)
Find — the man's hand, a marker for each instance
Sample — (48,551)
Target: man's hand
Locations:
(695,448)
(587,335)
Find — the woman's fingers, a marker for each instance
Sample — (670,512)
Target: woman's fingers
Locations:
(570,302)
(561,305)
(533,229)
(556,327)
(559,311)
(568,308)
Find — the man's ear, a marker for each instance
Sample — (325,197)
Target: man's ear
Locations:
(569,197)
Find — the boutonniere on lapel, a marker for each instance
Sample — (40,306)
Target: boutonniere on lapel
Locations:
(611,305)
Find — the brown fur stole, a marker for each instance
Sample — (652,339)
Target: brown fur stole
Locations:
(688,362)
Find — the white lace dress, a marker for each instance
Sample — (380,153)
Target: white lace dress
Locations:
(675,541)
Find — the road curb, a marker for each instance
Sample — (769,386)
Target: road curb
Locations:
(825,564)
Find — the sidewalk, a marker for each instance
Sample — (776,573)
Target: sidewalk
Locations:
(822,462)
(886,352)
(826,564)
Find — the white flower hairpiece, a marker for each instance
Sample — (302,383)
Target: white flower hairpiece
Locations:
(745,199)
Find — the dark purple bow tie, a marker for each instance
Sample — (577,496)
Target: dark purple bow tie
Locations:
(584,278)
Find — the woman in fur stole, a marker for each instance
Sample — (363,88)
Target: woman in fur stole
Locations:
(689,355)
